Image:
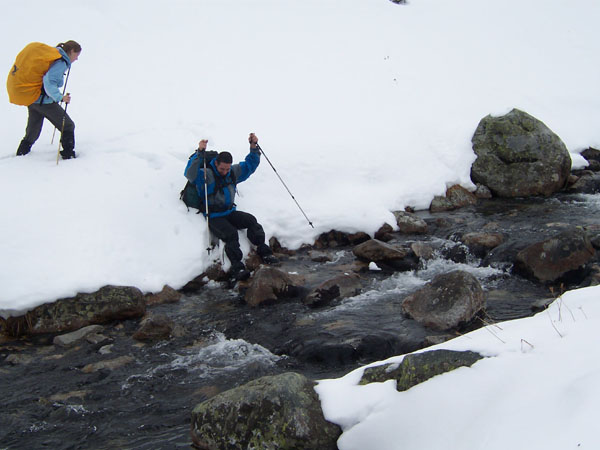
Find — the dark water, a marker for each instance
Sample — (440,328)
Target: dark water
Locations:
(50,401)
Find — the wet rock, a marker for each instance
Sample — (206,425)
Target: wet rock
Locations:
(70,339)
(591,154)
(154,328)
(593,232)
(456,197)
(562,257)
(276,246)
(460,197)
(419,367)
(409,223)
(215,272)
(384,233)
(422,250)
(482,191)
(167,295)
(386,256)
(96,338)
(319,256)
(448,301)
(106,349)
(358,238)
(594,165)
(109,364)
(340,344)
(270,284)
(586,184)
(480,243)
(273,412)
(519,156)
(336,288)
(332,239)
(17,359)
(457,252)
(593,278)
(68,314)
(504,255)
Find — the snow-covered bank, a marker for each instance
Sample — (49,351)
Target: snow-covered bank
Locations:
(537,389)
(363,107)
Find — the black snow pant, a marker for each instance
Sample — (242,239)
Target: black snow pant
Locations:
(226,228)
(55,114)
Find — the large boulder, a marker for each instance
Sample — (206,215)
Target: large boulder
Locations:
(519,156)
(273,412)
(105,305)
(386,256)
(449,300)
(562,256)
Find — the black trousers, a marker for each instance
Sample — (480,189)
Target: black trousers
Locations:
(226,228)
(54,113)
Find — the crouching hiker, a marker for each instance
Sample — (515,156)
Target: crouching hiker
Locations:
(218,185)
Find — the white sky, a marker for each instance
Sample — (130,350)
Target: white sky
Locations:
(363,107)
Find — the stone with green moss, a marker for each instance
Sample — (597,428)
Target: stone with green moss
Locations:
(419,367)
(273,412)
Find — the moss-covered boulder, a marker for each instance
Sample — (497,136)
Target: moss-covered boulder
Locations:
(519,156)
(273,412)
(419,367)
(68,314)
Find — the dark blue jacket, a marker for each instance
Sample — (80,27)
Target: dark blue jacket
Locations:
(221,190)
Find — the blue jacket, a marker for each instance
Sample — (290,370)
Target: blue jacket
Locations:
(221,189)
(53,80)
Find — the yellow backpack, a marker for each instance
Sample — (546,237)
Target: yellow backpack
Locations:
(25,79)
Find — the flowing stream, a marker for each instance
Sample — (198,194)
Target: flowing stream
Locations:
(51,400)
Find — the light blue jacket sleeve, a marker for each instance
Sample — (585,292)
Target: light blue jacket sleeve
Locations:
(53,80)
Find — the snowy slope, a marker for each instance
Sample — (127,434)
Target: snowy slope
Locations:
(362,106)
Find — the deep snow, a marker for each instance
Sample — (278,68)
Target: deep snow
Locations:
(362,106)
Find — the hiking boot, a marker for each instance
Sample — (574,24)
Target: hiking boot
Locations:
(24,148)
(68,154)
(266,254)
(269,259)
(239,272)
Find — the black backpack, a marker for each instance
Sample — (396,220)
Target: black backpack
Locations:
(189,194)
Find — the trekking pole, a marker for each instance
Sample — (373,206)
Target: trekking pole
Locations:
(206,205)
(64,90)
(62,129)
(282,182)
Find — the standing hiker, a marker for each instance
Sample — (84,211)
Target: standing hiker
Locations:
(42,95)
(224,220)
